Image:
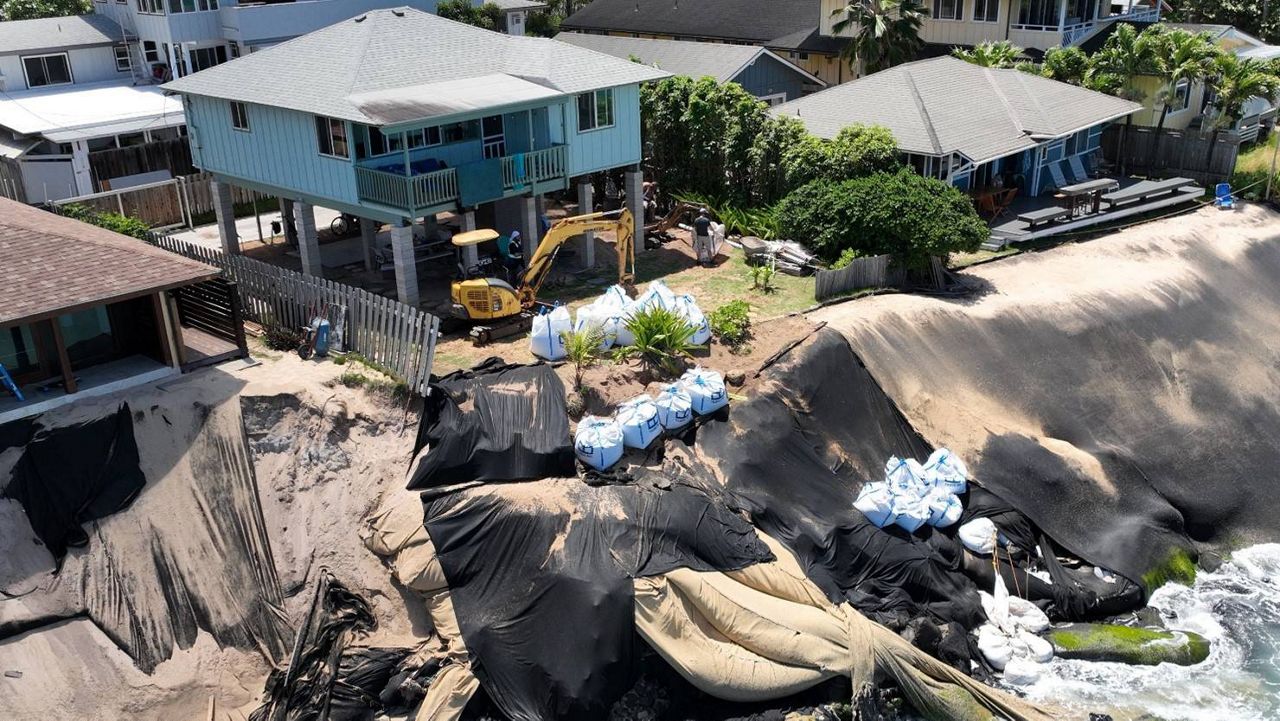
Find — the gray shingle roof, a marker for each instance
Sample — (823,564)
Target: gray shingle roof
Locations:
(681,57)
(772,23)
(946,105)
(327,72)
(509,5)
(24,36)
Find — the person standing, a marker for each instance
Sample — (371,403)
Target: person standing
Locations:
(512,256)
(702,238)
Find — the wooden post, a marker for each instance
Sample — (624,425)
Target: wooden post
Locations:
(162,327)
(237,317)
(64,362)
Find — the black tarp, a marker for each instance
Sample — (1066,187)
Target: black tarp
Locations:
(540,575)
(73,474)
(495,422)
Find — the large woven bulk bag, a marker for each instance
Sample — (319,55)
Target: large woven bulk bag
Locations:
(638,418)
(598,442)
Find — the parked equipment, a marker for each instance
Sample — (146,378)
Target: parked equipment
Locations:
(508,310)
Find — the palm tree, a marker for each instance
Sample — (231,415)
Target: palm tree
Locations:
(1235,81)
(1003,54)
(1126,56)
(1066,65)
(1180,57)
(887,32)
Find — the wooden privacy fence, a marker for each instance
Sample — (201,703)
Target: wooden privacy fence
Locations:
(397,337)
(876,271)
(161,204)
(1183,153)
(171,155)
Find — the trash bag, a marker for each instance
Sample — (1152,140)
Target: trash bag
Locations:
(944,507)
(638,419)
(979,536)
(688,309)
(675,407)
(545,339)
(706,390)
(598,442)
(944,469)
(876,503)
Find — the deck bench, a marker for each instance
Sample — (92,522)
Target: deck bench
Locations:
(1044,215)
(1144,190)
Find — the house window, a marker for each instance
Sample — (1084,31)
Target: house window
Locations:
(235,49)
(191,6)
(493,137)
(799,56)
(150,52)
(239,116)
(986,11)
(595,110)
(947,10)
(45,70)
(331,134)
(122,58)
(151,7)
(772,100)
(202,58)
(1038,13)
(1181,96)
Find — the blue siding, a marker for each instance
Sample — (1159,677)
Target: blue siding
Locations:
(769,76)
(280,149)
(606,148)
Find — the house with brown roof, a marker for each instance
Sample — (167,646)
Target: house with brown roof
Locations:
(85,311)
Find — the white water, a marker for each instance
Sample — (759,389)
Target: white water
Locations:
(1238,609)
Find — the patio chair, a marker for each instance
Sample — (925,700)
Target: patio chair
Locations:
(1002,201)
(1078,173)
(1222,197)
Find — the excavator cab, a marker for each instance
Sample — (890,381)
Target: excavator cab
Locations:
(477,297)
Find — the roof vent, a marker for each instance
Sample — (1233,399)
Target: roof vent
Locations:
(398,13)
(361,18)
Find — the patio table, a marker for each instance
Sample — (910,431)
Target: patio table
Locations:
(1090,191)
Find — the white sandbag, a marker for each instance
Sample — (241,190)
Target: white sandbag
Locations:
(638,419)
(1104,575)
(1021,672)
(979,536)
(905,476)
(1037,649)
(910,511)
(545,339)
(602,318)
(944,508)
(688,309)
(876,503)
(657,295)
(946,470)
(706,390)
(994,646)
(1027,615)
(623,335)
(675,407)
(614,297)
(598,442)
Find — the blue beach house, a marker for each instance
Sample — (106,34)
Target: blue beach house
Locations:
(397,115)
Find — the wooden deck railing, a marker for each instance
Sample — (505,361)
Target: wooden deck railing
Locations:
(431,189)
(533,167)
(418,192)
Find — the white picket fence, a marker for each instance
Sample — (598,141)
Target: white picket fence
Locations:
(398,337)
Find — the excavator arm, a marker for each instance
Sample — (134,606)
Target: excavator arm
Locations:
(544,255)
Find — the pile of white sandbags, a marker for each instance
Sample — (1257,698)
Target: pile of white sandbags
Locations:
(914,495)
(1009,640)
(611,312)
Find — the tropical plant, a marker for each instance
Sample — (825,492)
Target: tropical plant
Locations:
(487,16)
(731,323)
(761,222)
(1259,18)
(35,9)
(545,24)
(663,339)
(847,256)
(1180,57)
(1235,81)
(1066,65)
(1126,56)
(906,215)
(856,151)
(762,277)
(777,137)
(122,224)
(1002,54)
(582,349)
(885,32)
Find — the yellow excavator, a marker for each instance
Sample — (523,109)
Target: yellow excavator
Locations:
(498,309)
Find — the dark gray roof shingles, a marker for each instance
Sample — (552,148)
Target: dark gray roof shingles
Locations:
(24,36)
(785,24)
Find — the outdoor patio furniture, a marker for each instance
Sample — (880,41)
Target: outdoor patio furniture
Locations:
(1145,189)
(1077,169)
(1045,215)
(1087,194)
(1222,197)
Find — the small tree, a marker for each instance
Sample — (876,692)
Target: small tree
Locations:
(1126,56)
(1003,54)
(35,9)
(1235,81)
(1066,65)
(582,349)
(778,136)
(662,339)
(857,151)
(1180,57)
(908,216)
(487,16)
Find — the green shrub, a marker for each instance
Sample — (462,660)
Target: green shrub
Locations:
(760,222)
(902,214)
(762,278)
(847,256)
(662,339)
(857,151)
(285,339)
(353,379)
(731,323)
(123,224)
(1252,184)
(582,349)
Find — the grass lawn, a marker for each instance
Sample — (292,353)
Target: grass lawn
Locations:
(1258,157)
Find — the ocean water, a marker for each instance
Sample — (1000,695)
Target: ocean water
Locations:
(1237,608)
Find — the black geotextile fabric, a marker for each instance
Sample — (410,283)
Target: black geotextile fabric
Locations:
(495,422)
(541,579)
(72,474)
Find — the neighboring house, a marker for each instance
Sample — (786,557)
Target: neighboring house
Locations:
(397,115)
(1035,25)
(66,92)
(969,125)
(84,311)
(790,28)
(758,70)
(515,13)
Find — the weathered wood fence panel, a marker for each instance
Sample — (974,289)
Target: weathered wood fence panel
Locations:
(870,272)
(162,204)
(171,155)
(395,336)
(1182,153)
